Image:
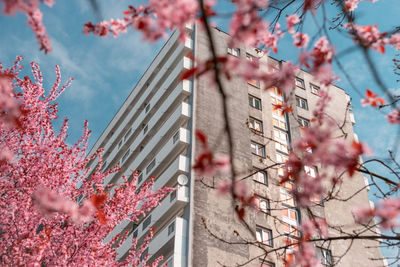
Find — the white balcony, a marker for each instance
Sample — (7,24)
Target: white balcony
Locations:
(181,165)
(179,237)
(138,158)
(153,88)
(168,208)
(182,90)
(168,47)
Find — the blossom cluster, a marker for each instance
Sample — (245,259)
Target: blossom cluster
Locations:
(43,172)
(318,146)
(35,18)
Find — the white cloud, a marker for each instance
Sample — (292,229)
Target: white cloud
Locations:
(61,54)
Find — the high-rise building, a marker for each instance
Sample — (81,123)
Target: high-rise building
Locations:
(153,132)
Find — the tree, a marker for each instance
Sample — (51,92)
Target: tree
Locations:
(53,213)
(249,26)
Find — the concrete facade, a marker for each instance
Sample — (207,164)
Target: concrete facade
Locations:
(154,132)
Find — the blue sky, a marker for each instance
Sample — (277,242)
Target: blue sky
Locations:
(106,69)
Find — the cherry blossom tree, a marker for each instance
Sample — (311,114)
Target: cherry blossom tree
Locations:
(53,213)
(317,54)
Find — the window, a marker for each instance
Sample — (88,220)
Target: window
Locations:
(249,57)
(151,166)
(290,214)
(140,177)
(172,196)
(281,138)
(276,100)
(273,68)
(261,177)
(263,205)
(135,233)
(264,236)
(325,256)
(316,199)
(125,156)
(120,144)
(234,51)
(175,137)
(145,129)
(292,242)
(290,229)
(280,158)
(144,254)
(299,83)
(146,222)
(257,149)
(264,263)
(286,197)
(301,102)
(147,108)
(310,170)
(171,228)
(127,134)
(279,122)
(255,102)
(276,91)
(104,166)
(303,122)
(255,124)
(314,89)
(255,83)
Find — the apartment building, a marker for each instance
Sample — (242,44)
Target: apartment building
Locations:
(153,132)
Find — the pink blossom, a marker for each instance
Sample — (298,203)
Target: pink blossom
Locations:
(324,75)
(322,52)
(283,79)
(35,18)
(315,225)
(351,5)
(387,212)
(292,20)
(372,99)
(300,39)
(369,36)
(40,170)
(394,41)
(394,116)
(153,20)
(305,256)
(9,108)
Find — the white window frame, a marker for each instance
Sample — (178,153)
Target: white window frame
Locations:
(253,100)
(314,89)
(257,148)
(261,177)
(125,156)
(253,123)
(325,255)
(282,140)
(289,219)
(263,205)
(303,122)
(286,197)
(264,263)
(281,122)
(264,236)
(233,51)
(301,103)
(302,86)
(311,171)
